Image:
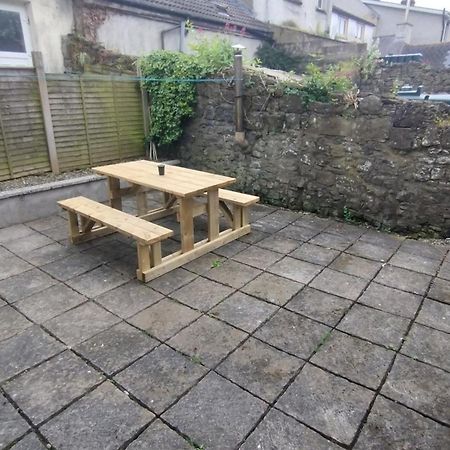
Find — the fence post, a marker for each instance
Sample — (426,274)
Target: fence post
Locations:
(46,112)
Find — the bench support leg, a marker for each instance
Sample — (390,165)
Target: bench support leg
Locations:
(245,216)
(144,262)
(74,229)
(237,217)
(156,255)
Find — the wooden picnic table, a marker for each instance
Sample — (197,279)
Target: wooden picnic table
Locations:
(180,186)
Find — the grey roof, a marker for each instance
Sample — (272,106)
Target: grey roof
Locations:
(234,12)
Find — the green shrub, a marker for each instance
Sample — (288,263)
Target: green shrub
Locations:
(170,78)
(214,55)
(319,86)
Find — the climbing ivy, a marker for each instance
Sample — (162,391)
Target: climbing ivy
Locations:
(170,78)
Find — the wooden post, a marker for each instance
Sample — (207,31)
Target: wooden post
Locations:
(5,144)
(239,95)
(46,112)
(145,112)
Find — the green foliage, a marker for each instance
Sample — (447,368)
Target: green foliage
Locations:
(276,58)
(319,86)
(173,101)
(213,55)
(368,63)
(348,215)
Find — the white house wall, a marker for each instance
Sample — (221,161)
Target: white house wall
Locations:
(51,20)
(427,28)
(135,36)
(305,16)
(141,35)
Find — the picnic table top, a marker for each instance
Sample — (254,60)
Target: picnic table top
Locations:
(178,181)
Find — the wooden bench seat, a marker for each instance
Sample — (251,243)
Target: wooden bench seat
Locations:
(84,214)
(239,202)
(237,198)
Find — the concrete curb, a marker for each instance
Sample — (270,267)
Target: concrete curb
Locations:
(35,202)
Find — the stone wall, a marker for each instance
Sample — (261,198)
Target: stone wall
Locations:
(388,162)
(415,74)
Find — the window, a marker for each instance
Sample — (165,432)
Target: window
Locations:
(356,30)
(15,48)
(342,27)
(320,4)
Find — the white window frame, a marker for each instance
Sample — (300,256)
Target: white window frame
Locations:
(18,59)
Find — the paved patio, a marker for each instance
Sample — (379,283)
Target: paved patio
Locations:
(306,334)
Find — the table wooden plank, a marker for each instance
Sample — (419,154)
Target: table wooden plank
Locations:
(178,181)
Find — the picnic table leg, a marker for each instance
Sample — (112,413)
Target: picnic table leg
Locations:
(115,198)
(141,202)
(213,214)
(186,224)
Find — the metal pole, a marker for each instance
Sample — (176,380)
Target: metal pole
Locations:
(408,6)
(239,96)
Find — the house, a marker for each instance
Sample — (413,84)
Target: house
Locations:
(116,27)
(346,20)
(419,26)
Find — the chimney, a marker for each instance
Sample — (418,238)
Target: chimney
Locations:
(403,32)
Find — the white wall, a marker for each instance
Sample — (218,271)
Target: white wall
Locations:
(305,15)
(135,36)
(427,28)
(140,36)
(51,20)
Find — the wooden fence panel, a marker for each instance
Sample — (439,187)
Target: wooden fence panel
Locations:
(23,145)
(96,120)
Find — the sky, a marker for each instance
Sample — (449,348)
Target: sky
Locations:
(437,4)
